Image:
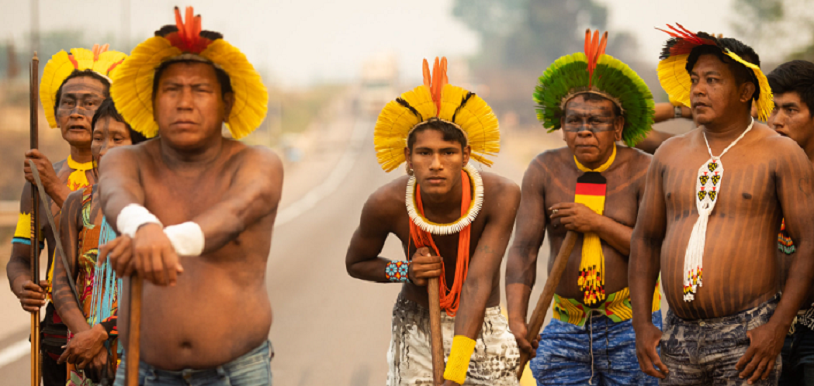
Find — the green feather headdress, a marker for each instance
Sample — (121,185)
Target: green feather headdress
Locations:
(597,73)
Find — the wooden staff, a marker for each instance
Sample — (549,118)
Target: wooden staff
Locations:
(35,220)
(538,317)
(134,332)
(436,339)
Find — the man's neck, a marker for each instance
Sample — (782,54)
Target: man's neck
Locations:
(81,154)
(442,204)
(205,155)
(598,163)
(729,130)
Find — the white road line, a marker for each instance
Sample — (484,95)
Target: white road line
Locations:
(14,352)
(17,350)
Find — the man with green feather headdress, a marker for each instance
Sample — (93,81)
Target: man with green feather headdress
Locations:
(592,187)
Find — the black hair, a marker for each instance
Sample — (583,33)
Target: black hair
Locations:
(79,73)
(449,131)
(795,76)
(223,78)
(742,73)
(589,96)
(108,110)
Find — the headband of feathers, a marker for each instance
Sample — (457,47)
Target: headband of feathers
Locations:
(595,72)
(185,41)
(675,78)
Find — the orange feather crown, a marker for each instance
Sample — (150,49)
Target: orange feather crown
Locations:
(186,41)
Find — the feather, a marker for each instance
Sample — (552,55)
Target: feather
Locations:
(427,76)
(189,26)
(179,23)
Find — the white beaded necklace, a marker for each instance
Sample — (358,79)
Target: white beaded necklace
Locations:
(707,188)
(454,227)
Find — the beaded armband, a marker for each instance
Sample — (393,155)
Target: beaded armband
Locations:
(396,271)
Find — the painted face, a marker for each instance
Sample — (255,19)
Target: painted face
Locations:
(792,118)
(590,129)
(437,163)
(188,106)
(80,98)
(715,92)
(107,134)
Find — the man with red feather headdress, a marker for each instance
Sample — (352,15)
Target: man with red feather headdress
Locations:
(194,210)
(708,222)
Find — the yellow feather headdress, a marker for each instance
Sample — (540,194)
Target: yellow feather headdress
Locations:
(675,78)
(62,64)
(435,100)
(132,87)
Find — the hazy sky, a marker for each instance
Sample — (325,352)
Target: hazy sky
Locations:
(302,41)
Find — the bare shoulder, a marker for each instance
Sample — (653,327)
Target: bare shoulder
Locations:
(497,185)
(243,155)
(543,163)
(388,200)
(775,144)
(637,159)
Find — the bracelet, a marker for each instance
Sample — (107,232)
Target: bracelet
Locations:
(458,361)
(187,238)
(132,217)
(396,271)
(677,110)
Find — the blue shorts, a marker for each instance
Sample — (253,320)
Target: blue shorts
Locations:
(251,369)
(600,353)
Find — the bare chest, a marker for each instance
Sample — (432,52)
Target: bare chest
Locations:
(621,195)
(176,198)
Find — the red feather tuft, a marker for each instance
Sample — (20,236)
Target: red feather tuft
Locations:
(188,38)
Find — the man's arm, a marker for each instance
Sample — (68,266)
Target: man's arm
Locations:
(644,266)
(56,189)
(521,265)
(119,183)
(254,193)
(64,299)
(18,269)
(489,253)
(793,179)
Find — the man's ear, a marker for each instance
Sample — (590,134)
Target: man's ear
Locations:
(407,158)
(747,90)
(618,127)
(228,103)
(467,153)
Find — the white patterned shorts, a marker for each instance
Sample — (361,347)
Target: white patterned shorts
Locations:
(493,363)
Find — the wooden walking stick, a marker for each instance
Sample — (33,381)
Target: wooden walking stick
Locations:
(35,220)
(134,332)
(436,339)
(538,316)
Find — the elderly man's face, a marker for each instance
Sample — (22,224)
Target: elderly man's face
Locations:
(590,128)
(77,103)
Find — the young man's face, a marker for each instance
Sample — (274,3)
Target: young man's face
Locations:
(107,134)
(188,105)
(80,98)
(437,163)
(715,92)
(590,128)
(792,118)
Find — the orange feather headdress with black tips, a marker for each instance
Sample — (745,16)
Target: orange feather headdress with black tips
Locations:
(186,41)
(675,77)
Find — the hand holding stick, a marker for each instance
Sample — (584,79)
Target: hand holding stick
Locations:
(538,317)
(134,332)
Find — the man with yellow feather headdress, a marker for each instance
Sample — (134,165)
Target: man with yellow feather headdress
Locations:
(73,86)
(593,187)
(454,223)
(194,210)
(708,222)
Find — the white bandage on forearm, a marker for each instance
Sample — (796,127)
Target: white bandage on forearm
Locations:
(132,217)
(187,238)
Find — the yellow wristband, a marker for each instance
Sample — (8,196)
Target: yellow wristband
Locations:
(458,362)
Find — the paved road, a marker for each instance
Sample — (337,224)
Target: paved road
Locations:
(328,329)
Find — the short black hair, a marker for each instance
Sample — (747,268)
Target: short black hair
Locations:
(79,73)
(795,76)
(742,73)
(108,110)
(589,96)
(449,131)
(223,78)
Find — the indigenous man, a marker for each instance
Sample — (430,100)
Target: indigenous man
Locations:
(793,88)
(726,323)
(92,349)
(454,224)
(195,210)
(593,187)
(72,88)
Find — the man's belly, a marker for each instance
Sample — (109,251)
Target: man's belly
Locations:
(204,321)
